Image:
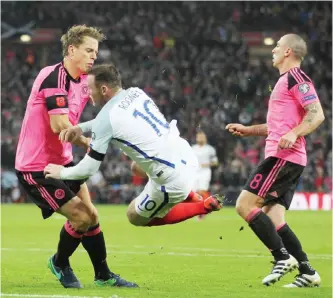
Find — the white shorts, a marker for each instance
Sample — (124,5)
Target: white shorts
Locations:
(202,180)
(158,198)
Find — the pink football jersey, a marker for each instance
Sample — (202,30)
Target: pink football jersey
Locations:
(292,92)
(54,92)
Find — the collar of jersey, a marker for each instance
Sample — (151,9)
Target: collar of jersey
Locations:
(69,76)
(288,71)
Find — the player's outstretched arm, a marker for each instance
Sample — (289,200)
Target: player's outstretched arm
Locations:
(74,134)
(241,130)
(60,123)
(313,118)
(87,167)
(102,134)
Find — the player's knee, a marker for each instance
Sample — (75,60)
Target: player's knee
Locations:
(133,217)
(246,202)
(81,221)
(81,216)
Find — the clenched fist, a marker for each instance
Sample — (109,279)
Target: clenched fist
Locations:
(238,129)
(288,140)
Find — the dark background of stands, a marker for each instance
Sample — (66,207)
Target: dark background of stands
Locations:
(194,61)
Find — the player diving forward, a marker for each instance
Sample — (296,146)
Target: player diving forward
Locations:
(130,120)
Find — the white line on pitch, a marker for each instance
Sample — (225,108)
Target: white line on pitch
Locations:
(231,254)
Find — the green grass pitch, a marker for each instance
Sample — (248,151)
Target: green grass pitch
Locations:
(208,258)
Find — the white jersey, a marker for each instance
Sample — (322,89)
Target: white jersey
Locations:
(132,122)
(206,154)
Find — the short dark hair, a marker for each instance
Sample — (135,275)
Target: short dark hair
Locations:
(75,35)
(107,74)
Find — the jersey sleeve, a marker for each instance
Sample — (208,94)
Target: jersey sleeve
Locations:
(301,88)
(86,126)
(304,93)
(53,90)
(85,168)
(101,136)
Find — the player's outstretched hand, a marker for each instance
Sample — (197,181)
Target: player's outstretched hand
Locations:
(70,134)
(288,140)
(237,129)
(53,171)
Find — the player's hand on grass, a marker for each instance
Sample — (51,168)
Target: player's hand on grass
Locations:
(53,171)
(288,140)
(70,134)
(237,129)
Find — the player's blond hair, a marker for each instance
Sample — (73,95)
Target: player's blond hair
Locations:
(75,35)
(298,45)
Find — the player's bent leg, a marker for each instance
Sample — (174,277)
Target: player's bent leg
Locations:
(79,220)
(307,277)
(94,243)
(78,213)
(184,211)
(249,206)
(156,211)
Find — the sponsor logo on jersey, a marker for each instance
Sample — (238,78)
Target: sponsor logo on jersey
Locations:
(309,97)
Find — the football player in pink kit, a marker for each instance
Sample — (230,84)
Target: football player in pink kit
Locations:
(58,97)
(294,111)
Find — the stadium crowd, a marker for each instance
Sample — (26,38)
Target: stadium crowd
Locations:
(191,58)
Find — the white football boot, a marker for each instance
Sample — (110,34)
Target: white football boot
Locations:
(280,269)
(305,281)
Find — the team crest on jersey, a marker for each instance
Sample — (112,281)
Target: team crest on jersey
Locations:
(93,136)
(84,90)
(304,88)
(59,194)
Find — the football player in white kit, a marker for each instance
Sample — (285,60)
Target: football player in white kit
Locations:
(207,159)
(131,121)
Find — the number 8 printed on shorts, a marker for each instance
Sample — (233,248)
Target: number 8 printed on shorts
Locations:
(256,181)
(148,205)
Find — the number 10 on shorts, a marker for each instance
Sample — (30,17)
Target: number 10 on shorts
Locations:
(147,205)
